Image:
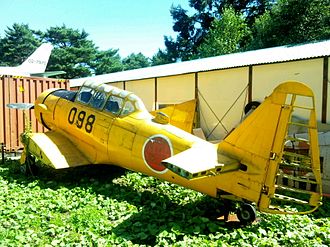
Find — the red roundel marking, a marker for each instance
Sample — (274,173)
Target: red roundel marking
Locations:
(156,149)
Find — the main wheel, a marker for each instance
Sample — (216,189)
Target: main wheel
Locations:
(246,213)
(251,106)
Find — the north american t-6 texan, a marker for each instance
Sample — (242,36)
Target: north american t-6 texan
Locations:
(252,167)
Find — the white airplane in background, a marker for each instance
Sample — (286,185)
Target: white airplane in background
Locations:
(34,65)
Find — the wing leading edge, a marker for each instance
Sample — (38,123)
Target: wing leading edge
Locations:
(55,150)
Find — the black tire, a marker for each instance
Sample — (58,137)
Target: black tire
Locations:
(251,106)
(246,214)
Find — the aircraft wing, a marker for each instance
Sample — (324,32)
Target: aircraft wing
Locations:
(55,150)
(181,115)
(48,73)
(199,161)
(20,106)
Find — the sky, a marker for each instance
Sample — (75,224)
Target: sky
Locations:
(132,26)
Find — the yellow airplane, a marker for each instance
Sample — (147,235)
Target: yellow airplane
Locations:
(101,124)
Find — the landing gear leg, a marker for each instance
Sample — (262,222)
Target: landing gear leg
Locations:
(246,213)
(229,206)
(30,167)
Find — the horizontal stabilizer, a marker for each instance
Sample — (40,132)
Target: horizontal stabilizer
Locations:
(49,73)
(197,162)
(55,150)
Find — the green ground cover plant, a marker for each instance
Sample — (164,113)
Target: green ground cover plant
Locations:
(108,206)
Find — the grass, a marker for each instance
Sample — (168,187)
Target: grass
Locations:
(108,206)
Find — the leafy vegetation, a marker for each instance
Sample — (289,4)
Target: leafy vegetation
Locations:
(107,206)
(225,35)
(227,26)
(292,22)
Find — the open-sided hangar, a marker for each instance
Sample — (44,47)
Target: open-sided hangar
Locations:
(224,84)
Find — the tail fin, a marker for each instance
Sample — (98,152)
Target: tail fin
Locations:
(37,61)
(290,175)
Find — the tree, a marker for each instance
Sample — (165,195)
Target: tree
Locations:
(107,62)
(78,56)
(169,55)
(226,35)
(161,57)
(193,28)
(135,61)
(292,22)
(73,52)
(19,42)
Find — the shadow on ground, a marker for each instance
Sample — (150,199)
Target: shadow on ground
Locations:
(156,215)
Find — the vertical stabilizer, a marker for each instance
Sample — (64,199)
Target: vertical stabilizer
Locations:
(291,173)
(37,61)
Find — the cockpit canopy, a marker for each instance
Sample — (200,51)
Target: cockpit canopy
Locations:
(109,99)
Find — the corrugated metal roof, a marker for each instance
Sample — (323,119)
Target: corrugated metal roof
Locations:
(262,56)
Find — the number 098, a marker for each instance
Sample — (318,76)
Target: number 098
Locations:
(79,119)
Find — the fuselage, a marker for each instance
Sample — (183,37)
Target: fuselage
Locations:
(15,71)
